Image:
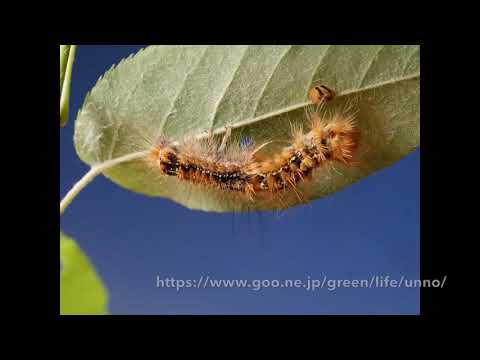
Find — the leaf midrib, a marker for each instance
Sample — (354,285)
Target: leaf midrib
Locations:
(294,107)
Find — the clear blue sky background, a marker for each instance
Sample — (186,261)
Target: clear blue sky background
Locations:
(370,228)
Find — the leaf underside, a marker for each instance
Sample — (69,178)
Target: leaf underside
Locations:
(259,91)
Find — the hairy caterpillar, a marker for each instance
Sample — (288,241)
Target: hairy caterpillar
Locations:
(239,168)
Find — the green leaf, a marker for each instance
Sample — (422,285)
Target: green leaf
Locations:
(67,56)
(81,290)
(179,91)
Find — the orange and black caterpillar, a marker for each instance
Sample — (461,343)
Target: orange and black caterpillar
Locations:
(239,169)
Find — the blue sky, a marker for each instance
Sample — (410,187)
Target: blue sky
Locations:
(370,228)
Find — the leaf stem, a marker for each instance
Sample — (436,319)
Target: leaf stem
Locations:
(65,89)
(93,173)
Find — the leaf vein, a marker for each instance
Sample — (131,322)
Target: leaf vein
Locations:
(270,78)
(161,128)
(222,96)
(370,65)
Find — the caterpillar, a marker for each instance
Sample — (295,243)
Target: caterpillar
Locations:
(320,94)
(238,167)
